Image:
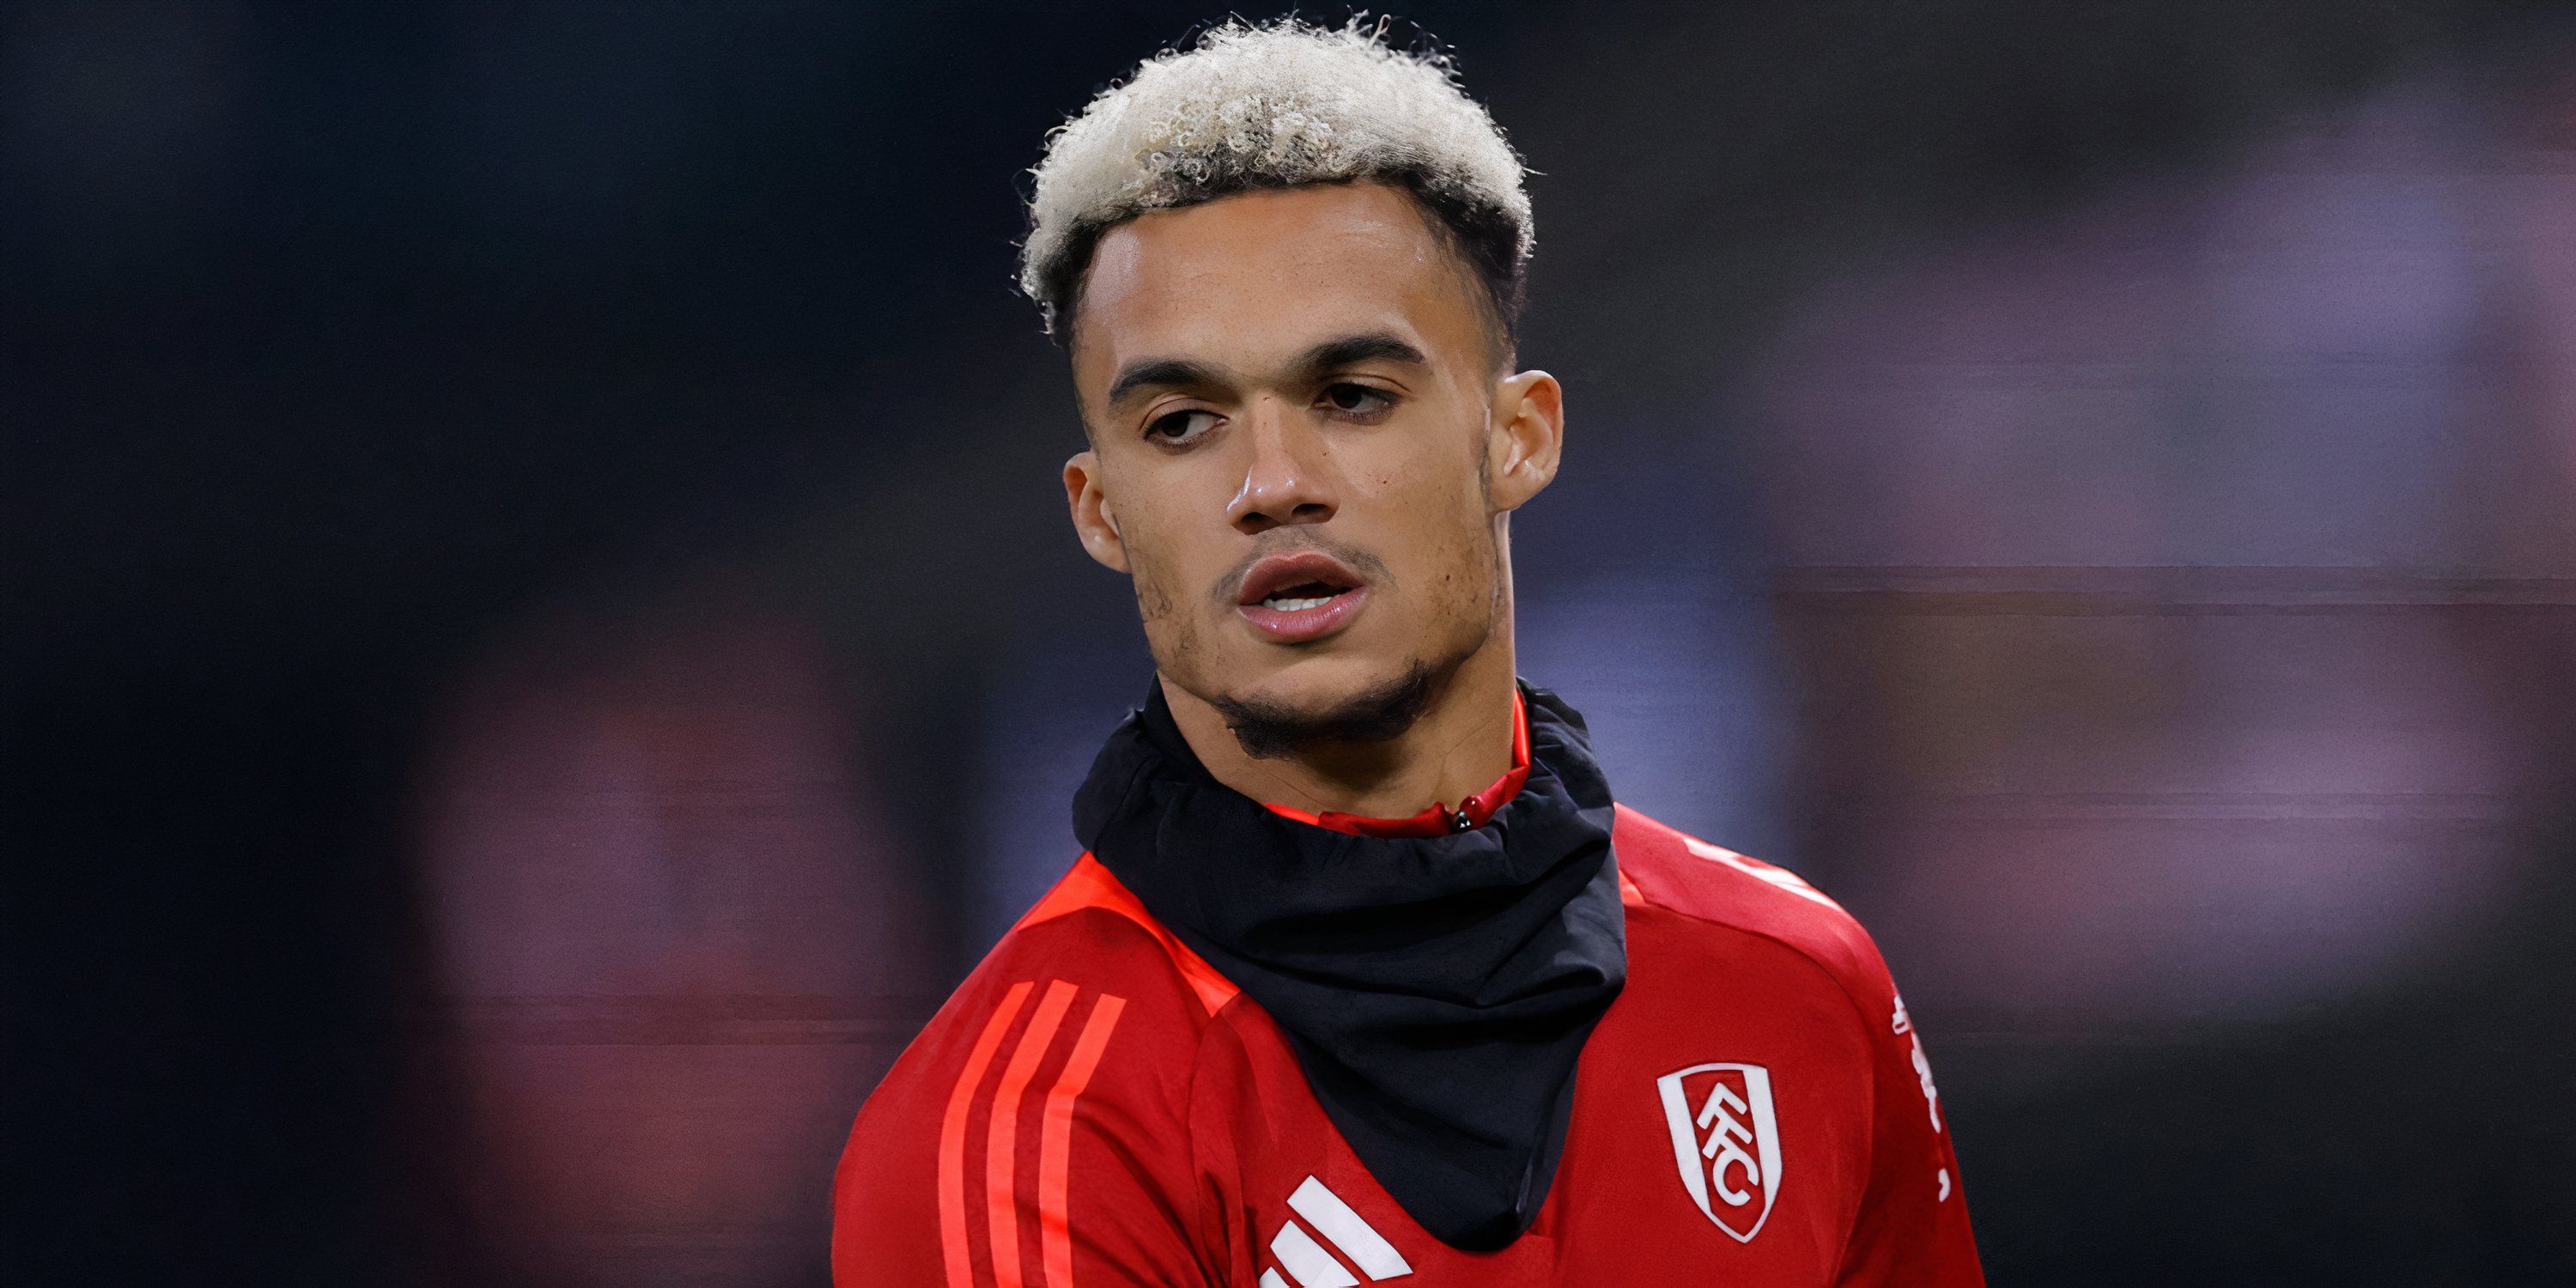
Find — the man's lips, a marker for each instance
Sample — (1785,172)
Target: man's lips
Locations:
(1293,597)
(1295,570)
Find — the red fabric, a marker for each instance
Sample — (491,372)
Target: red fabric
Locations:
(1093,1108)
(1436,819)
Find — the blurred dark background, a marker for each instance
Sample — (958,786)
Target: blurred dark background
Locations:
(541,638)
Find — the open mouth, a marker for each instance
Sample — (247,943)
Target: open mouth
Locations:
(1292,598)
(1302,596)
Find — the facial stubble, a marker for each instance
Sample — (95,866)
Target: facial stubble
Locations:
(1269,731)
(1380,713)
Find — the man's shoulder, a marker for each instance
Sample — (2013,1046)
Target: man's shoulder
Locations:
(1081,1025)
(1088,984)
(1723,893)
(1092,925)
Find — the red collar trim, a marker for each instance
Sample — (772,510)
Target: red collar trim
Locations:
(1438,819)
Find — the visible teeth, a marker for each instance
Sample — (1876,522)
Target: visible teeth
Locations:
(1278,605)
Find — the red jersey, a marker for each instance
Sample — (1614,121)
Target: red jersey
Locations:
(1097,1106)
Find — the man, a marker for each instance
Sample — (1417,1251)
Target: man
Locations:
(1362,975)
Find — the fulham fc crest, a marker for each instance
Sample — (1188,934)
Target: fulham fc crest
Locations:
(1725,1141)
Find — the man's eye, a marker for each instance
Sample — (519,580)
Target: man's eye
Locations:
(1182,426)
(1357,400)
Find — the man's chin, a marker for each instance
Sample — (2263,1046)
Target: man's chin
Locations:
(1285,719)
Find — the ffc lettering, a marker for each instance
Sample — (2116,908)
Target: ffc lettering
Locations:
(1727,1137)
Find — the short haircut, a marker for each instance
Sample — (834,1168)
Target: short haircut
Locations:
(1283,104)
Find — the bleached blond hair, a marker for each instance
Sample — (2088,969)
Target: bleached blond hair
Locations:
(1281,104)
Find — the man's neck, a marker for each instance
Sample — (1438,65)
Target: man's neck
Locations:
(1456,749)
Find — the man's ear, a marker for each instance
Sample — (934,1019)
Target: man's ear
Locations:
(1525,435)
(1092,520)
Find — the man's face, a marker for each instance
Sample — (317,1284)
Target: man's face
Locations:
(1302,449)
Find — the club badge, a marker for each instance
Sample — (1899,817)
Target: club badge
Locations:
(1725,1141)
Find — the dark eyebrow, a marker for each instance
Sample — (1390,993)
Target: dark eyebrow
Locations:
(1352,350)
(1178,373)
(1344,351)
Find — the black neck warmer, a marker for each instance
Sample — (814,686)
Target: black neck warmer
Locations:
(1436,990)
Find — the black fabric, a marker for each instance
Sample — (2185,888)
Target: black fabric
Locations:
(1436,990)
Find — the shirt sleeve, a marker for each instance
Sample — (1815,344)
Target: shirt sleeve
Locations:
(1025,1138)
(1912,1227)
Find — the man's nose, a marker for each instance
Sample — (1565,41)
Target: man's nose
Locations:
(1285,478)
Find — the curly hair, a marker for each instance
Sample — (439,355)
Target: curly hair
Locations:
(1281,104)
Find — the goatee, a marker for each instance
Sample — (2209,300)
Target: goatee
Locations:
(1268,731)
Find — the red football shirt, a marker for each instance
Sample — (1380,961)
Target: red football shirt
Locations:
(1097,1106)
